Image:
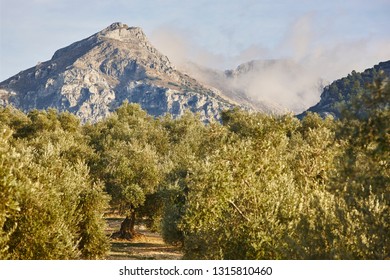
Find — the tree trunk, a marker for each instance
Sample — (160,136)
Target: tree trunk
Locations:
(127,227)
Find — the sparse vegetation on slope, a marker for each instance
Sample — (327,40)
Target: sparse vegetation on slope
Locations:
(340,94)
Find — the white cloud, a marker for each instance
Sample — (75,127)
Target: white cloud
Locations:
(312,54)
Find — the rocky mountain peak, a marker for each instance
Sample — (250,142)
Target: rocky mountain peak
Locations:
(116,41)
(115,26)
(92,77)
(122,32)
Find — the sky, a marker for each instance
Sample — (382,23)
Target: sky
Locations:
(330,38)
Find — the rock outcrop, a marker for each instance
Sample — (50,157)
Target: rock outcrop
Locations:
(94,76)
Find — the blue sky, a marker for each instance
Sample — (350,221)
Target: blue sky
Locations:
(332,37)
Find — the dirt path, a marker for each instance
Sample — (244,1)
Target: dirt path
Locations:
(149,246)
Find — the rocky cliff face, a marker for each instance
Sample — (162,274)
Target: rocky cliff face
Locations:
(92,77)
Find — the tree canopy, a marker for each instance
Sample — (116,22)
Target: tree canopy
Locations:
(255,186)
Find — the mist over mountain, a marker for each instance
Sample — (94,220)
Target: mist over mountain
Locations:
(272,86)
(93,77)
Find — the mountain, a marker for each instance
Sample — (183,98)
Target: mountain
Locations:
(92,77)
(339,93)
(270,86)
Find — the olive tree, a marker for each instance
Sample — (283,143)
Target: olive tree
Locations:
(130,146)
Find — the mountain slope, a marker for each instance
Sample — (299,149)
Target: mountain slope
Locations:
(92,77)
(340,92)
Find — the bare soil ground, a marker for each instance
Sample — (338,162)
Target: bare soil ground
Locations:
(147,246)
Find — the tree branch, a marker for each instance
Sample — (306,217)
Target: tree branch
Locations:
(238,210)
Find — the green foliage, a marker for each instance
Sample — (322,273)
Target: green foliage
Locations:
(9,205)
(185,137)
(253,187)
(363,176)
(51,209)
(130,146)
(276,188)
(248,197)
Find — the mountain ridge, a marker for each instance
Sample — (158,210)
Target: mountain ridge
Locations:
(93,76)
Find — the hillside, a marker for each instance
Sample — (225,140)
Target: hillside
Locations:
(339,93)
